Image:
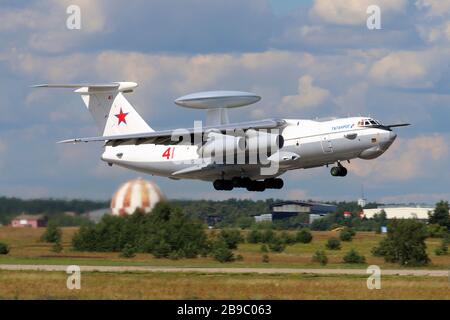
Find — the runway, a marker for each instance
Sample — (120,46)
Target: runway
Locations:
(118,269)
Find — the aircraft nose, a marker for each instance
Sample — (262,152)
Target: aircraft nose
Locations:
(392,136)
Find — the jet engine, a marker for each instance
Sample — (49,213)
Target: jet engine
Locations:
(258,141)
(218,143)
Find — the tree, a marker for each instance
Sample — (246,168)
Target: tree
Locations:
(287,238)
(165,232)
(304,236)
(4,248)
(52,234)
(443,248)
(321,224)
(277,245)
(436,231)
(320,257)
(440,215)
(57,247)
(345,235)
(354,257)
(267,236)
(221,252)
(380,220)
(244,222)
(254,236)
(405,243)
(232,237)
(333,244)
(128,251)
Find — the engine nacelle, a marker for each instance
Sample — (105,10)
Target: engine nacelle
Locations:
(221,144)
(259,141)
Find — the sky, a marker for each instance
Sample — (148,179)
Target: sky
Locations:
(307,59)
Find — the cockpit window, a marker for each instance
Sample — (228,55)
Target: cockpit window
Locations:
(368,123)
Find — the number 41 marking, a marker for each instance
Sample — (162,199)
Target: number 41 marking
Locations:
(168,154)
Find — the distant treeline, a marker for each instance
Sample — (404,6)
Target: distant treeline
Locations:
(11,207)
(240,213)
(226,213)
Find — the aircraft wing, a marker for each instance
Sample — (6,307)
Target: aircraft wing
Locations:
(166,136)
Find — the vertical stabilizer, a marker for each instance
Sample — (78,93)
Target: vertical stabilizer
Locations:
(107,104)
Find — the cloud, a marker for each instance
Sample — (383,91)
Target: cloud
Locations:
(434,7)
(297,194)
(409,69)
(3,151)
(415,198)
(308,95)
(352,12)
(407,159)
(354,99)
(43,25)
(162,78)
(322,62)
(137,26)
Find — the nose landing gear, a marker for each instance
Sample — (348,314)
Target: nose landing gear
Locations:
(339,171)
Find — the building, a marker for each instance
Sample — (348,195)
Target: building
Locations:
(264,217)
(29,221)
(135,195)
(362,202)
(309,211)
(292,208)
(420,213)
(97,215)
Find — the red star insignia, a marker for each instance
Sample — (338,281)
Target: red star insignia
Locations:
(121,116)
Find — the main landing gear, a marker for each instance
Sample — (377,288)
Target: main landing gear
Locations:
(339,171)
(250,185)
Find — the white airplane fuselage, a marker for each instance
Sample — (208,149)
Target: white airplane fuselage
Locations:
(249,154)
(317,143)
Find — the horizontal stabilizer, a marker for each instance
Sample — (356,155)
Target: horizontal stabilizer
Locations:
(114,86)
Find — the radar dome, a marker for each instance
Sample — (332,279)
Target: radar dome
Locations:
(135,195)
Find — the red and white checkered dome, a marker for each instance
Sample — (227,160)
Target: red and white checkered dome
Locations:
(136,194)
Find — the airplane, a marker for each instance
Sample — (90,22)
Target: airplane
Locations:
(249,154)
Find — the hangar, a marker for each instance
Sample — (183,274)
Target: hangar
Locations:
(288,209)
(392,212)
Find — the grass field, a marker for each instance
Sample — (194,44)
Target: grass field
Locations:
(52,285)
(27,249)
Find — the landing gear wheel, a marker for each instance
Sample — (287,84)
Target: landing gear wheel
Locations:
(258,186)
(338,171)
(240,182)
(335,171)
(226,185)
(274,183)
